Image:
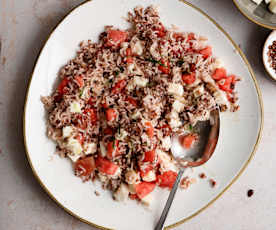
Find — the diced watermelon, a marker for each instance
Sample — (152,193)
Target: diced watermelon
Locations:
(149,156)
(84,166)
(189,78)
(106,166)
(206,52)
(167,179)
(144,188)
(220,73)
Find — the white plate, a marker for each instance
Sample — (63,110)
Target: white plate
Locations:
(240,132)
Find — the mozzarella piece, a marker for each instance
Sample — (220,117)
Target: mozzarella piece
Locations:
(74,158)
(121,135)
(272,6)
(75,107)
(122,193)
(257,1)
(67,131)
(175,89)
(136,115)
(147,200)
(85,93)
(221,98)
(90,148)
(166,143)
(177,106)
(74,146)
(218,63)
(103,149)
(131,188)
(140,81)
(131,68)
(132,177)
(198,91)
(130,86)
(167,163)
(150,176)
(137,48)
(174,120)
(267,1)
(154,51)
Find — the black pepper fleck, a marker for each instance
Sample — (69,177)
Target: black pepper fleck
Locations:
(250,192)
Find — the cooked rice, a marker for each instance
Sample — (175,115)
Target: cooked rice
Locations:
(154,92)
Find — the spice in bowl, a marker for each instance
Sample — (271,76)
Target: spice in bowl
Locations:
(272,55)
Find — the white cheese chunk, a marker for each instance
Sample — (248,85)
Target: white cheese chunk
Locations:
(257,1)
(132,177)
(137,48)
(122,193)
(267,1)
(130,86)
(272,6)
(131,188)
(121,135)
(74,158)
(90,148)
(154,51)
(103,149)
(74,146)
(85,93)
(177,106)
(147,200)
(140,81)
(221,98)
(167,163)
(67,131)
(150,176)
(174,120)
(198,91)
(136,115)
(175,89)
(166,143)
(218,63)
(75,107)
(131,68)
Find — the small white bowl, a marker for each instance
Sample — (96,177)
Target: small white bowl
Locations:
(271,72)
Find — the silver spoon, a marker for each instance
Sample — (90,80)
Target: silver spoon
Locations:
(208,132)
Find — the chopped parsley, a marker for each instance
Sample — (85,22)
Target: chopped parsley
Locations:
(179,63)
(155,61)
(81,92)
(121,69)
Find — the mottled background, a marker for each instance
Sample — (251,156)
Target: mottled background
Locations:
(24,27)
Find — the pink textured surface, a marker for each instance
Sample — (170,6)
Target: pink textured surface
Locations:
(24,26)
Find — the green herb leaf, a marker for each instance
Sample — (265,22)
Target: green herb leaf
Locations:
(179,63)
(121,69)
(81,92)
(190,127)
(155,61)
(116,73)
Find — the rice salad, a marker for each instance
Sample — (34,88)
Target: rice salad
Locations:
(120,101)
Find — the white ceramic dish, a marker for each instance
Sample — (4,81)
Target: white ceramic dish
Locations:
(268,42)
(258,14)
(240,131)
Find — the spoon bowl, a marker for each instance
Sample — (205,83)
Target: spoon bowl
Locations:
(201,152)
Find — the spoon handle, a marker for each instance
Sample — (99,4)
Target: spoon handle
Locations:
(166,209)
